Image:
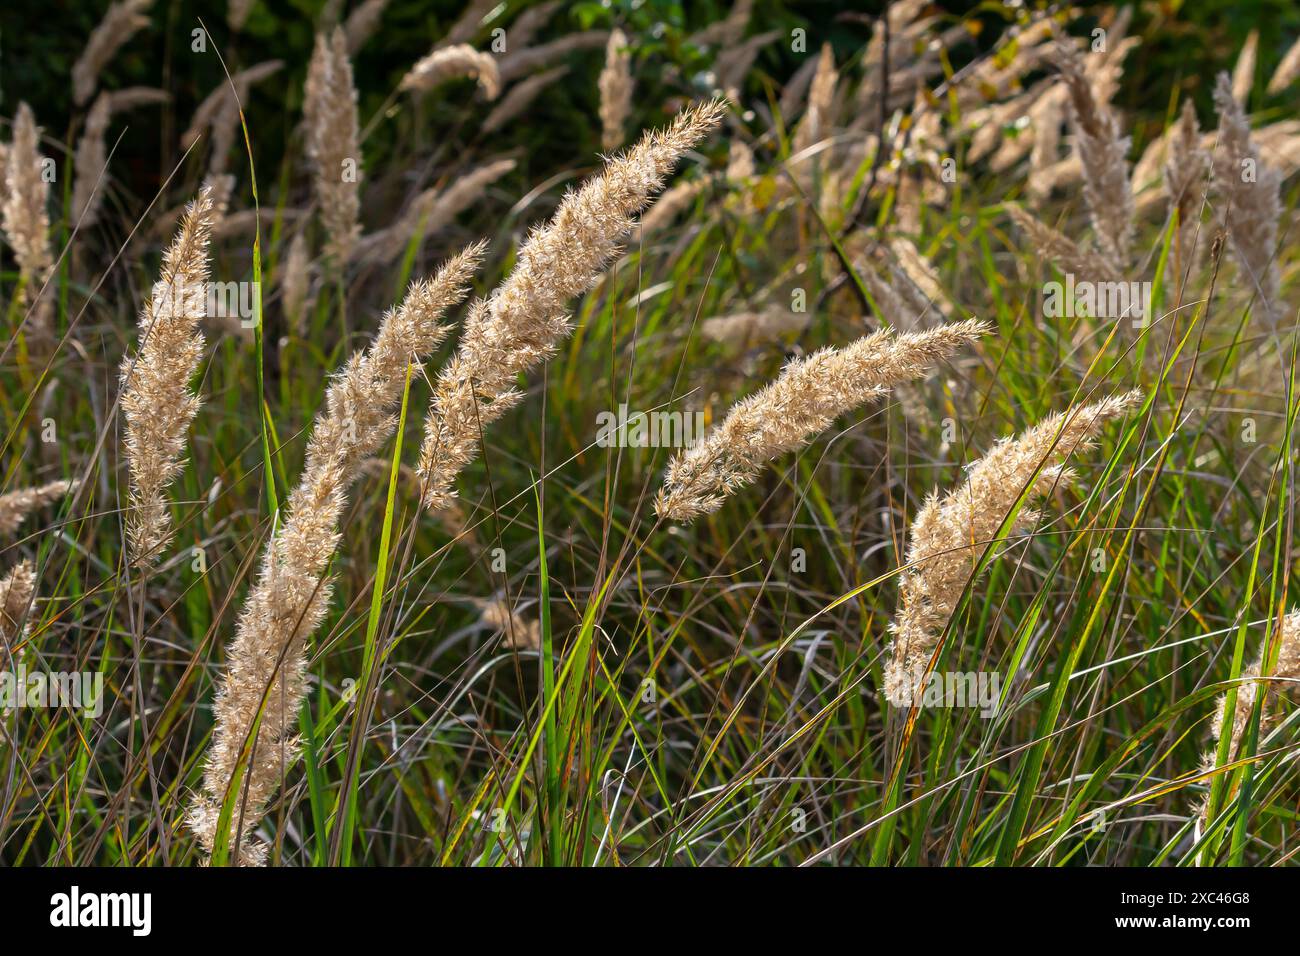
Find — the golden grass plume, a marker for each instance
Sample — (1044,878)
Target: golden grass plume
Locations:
(266,661)
(521,323)
(809,394)
(952,532)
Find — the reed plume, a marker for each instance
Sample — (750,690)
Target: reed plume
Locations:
(237,12)
(520,96)
(529,23)
(1185,173)
(809,394)
(815,125)
(454,62)
(91,157)
(615,85)
(294,282)
(330,108)
(17,590)
(432,211)
(521,61)
(740,163)
(1283,680)
(156,399)
(266,661)
(733,63)
(121,22)
(952,532)
(519,632)
(523,321)
(17,505)
(675,200)
(1056,247)
(1251,201)
(362,24)
(751,328)
(1286,71)
(1243,73)
(468,23)
(223,99)
(26,217)
(728,30)
(1102,151)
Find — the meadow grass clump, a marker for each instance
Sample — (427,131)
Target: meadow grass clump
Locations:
(534,640)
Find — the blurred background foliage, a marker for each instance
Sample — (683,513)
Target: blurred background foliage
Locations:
(1184,42)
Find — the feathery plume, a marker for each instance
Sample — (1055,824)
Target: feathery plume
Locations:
(740,162)
(892,307)
(951,533)
(520,96)
(815,125)
(529,23)
(293,284)
(750,328)
(222,102)
(520,325)
(1283,680)
(91,156)
(17,505)
(1055,247)
(362,24)
(4,174)
(266,662)
(498,615)
(809,394)
(1286,71)
(26,217)
(1243,73)
(1251,201)
(237,13)
(915,273)
(453,62)
(16,592)
(330,107)
(728,30)
(156,399)
(615,85)
(671,204)
(468,23)
(521,61)
(120,23)
(1185,172)
(734,63)
(1047,116)
(1102,151)
(432,211)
